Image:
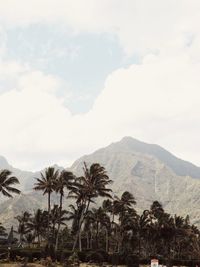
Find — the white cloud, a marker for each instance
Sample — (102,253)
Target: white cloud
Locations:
(141,25)
(155,101)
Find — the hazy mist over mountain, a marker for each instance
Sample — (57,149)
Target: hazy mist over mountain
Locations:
(146,170)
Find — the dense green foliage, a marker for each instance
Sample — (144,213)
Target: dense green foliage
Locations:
(110,231)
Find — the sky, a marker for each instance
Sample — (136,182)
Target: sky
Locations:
(78,75)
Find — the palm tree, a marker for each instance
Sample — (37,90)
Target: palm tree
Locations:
(157,209)
(64,180)
(143,224)
(126,215)
(22,227)
(123,204)
(47,185)
(88,230)
(86,188)
(74,215)
(38,224)
(6,182)
(179,228)
(29,238)
(58,217)
(108,206)
(100,221)
(54,219)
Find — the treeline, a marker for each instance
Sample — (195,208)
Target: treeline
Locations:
(113,227)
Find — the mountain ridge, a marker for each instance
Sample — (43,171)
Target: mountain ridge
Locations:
(184,167)
(146,170)
(179,166)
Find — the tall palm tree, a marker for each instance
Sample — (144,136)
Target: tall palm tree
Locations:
(29,238)
(88,230)
(157,209)
(38,224)
(123,204)
(74,216)
(143,224)
(100,221)
(108,207)
(22,227)
(57,218)
(47,184)
(6,182)
(64,180)
(179,229)
(91,185)
(123,207)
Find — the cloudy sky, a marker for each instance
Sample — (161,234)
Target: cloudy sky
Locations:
(77,75)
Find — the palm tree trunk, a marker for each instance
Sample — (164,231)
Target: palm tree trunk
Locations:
(53,231)
(20,238)
(88,241)
(174,248)
(97,235)
(139,245)
(107,241)
(91,241)
(38,240)
(77,238)
(79,241)
(139,241)
(75,241)
(56,246)
(49,210)
(82,217)
(49,203)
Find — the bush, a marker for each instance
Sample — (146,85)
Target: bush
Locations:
(62,255)
(30,254)
(73,260)
(180,262)
(95,256)
(132,260)
(145,261)
(82,255)
(115,259)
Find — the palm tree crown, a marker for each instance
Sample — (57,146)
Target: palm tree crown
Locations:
(47,181)
(6,182)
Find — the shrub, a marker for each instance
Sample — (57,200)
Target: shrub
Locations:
(30,253)
(132,260)
(95,256)
(73,260)
(48,262)
(115,259)
(62,255)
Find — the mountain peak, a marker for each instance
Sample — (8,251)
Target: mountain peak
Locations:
(180,167)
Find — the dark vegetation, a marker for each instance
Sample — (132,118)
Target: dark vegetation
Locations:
(87,231)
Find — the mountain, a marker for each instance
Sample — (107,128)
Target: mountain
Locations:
(150,173)
(146,170)
(129,145)
(179,166)
(30,202)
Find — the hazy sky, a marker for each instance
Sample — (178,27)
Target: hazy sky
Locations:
(77,75)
